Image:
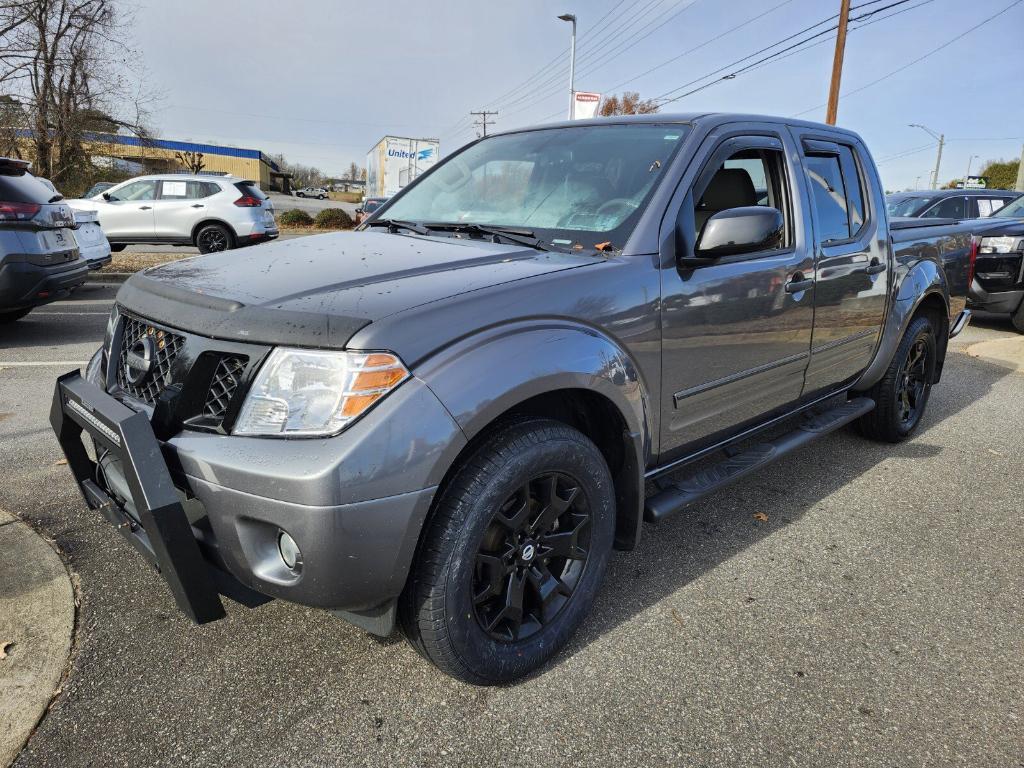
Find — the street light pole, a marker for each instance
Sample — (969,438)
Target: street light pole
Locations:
(941,138)
(571,17)
(970,160)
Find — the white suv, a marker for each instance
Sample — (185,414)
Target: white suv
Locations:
(211,212)
(318,192)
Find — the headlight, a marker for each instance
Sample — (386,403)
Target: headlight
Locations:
(999,245)
(315,393)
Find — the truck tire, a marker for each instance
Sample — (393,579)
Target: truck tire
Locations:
(1017,318)
(117,247)
(902,394)
(213,238)
(513,555)
(10,317)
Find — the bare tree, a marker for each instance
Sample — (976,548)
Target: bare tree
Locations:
(191,161)
(628,104)
(57,60)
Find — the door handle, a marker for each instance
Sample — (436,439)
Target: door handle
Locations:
(798,284)
(145,207)
(198,205)
(874,268)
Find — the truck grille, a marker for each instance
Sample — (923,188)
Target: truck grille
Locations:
(225,381)
(166,346)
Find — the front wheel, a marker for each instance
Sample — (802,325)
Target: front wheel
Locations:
(514,554)
(213,238)
(319,197)
(902,394)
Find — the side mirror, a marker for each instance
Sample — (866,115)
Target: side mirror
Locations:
(740,230)
(359,211)
(106,196)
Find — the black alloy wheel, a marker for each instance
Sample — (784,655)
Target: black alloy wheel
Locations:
(901,395)
(212,239)
(531,557)
(912,384)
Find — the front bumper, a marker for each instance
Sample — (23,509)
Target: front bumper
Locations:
(354,504)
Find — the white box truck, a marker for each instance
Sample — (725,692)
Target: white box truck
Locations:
(395,161)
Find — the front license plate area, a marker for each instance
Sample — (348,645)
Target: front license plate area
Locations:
(165,536)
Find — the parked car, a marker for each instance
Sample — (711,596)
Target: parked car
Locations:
(213,213)
(92,241)
(369,205)
(98,188)
(318,192)
(999,275)
(452,426)
(39,256)
(949,203)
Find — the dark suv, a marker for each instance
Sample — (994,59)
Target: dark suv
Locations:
(39,256)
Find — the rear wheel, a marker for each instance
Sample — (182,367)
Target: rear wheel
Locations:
(213,238)
(10,317)
(902,394)
(514,554)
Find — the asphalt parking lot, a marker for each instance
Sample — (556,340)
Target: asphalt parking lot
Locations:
(874,618)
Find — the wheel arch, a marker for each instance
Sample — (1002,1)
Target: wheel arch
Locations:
(212,220)
(572,374)
(923,289)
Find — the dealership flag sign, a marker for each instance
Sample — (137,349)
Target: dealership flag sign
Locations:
(584,105)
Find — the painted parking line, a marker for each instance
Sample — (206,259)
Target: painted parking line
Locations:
(76,314)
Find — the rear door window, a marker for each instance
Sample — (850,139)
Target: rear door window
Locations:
(829,192)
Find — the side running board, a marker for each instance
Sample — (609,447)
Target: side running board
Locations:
(676,494)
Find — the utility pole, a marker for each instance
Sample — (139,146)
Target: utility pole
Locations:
(837,63)
(1019,186)
(572,62)
(941,138)
(483,122)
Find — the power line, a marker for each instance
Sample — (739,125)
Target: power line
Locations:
(919,59)
(663,98)
(554,78)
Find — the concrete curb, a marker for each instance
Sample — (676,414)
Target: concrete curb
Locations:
(1008,352)
(107,277)
(37,621)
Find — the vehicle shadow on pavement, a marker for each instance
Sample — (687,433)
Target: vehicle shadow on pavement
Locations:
(679,551)
(40,330)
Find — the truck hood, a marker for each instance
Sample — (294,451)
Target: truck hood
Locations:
(320,290)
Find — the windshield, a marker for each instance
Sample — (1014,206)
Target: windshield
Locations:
(906,206)
(1014,210)
(582,185)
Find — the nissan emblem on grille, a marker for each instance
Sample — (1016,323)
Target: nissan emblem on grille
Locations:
(139,360)
(147,356)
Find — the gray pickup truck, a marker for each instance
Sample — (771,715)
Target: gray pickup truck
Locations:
(449,418)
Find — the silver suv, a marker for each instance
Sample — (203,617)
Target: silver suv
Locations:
(213,213)
(39,255)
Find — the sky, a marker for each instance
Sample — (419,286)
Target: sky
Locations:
(323,80)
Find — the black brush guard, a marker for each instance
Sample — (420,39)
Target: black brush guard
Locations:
(165,537)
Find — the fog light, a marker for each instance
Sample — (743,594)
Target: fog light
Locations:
(289,550)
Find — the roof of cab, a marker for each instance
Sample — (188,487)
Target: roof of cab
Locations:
(707,118)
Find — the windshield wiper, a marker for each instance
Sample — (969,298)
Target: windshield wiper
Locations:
(394,225)
(512,234)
